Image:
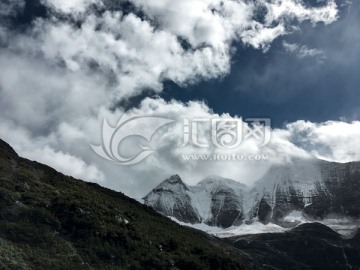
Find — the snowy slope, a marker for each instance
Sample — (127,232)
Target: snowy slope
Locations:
(284,188)
(344,226)
(308,188)
(171,198)
(215,200)
(316,188)
(303,176)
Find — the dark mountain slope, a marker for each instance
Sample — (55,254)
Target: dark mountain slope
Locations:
(52,221)
(308,246)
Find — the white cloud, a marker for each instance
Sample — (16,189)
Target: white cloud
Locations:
(40,149)
(261,37)
(295,9)
(40,96)
(217,23)
(332,140)
(302,51)
(71,6)
(141,59)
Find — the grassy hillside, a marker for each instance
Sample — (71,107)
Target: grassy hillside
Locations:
(52,221)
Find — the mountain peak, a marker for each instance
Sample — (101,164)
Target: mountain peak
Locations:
(172,183)
(171,198)
(212,178)
(6,149)
(308,186)
(215,180)
(174,179)
(214,200)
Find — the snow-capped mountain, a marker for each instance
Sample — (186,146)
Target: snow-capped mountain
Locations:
(215,201)
(317,189)
(171,198)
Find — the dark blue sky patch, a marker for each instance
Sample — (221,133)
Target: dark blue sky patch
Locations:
(285,86)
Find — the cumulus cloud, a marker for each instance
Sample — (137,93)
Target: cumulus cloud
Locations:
(74,6)
(300,139)
(332,140)
(295,9)
(59,79)
(217,23)
(68,147)
(184,41)
(40,149)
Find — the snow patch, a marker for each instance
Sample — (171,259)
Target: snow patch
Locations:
(254,228)
(343,226)
(295,216)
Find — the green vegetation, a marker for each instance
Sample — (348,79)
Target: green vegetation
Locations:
(52,221)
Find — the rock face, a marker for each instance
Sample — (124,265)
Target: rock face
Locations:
(316,188)
(171,198)
(215,201)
